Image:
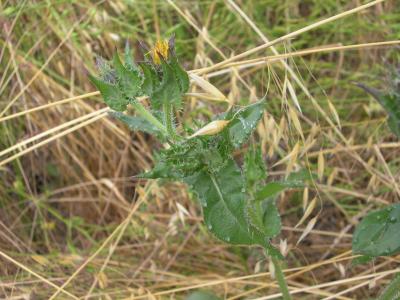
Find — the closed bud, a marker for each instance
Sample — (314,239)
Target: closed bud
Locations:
(211,128)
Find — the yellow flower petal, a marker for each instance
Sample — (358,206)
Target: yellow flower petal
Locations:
(160,49)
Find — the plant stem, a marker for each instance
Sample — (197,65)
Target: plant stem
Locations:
(280,277)
(168,120)
(149,117)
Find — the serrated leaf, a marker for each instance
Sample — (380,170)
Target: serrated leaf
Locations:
(150,80)
(224,204)
(244,123)
(136,123)
(299,179)
(111,94)
(128,57)
(180,74)
(161,170)
(275,187)
(129,81)
(168,91)
(254,167)
(202,295)
(264,216)
(106,72)
(378,233)
(269,190)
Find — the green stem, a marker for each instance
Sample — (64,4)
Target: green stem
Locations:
(280,277)
(168,120)
(149,117)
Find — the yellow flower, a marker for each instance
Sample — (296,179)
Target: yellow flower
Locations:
(160,49)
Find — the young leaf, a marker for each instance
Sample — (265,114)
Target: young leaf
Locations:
(254,167)
(264,216)
(269,190)
(111,94)
(180,74)
(168,91)
(128,57)
(244,122)
(378,233)
(136,123)
(161,170)
(299,178)
(129,81)
(150,80)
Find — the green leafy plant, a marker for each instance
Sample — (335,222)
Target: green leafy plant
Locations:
(238,204)
(378,233)
(389,100)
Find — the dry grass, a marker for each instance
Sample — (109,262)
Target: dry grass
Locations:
(74,225)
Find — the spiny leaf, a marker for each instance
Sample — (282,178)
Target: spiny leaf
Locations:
(106,72)
(128,57)
(180,74)
(129,81)
(224,204)
(254,167)
(168,91)
(392,291)
(264,216)
(269,190)
(244,122)
(378,233)
(161,170)
(111,94)
(136,123)
(150,81)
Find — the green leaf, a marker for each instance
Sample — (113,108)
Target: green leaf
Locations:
(128,57)
(136,123)
(264,216)
(254,167)
(391,103)
(224,204)
(363,259)
(269,190)
(378,233)
(161,170)
(392,291)
(202,295)
(111,94)
(150,81)
(299,179)
(180,74)
(272,251)
(129,81)
(244,122)
(168,91)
